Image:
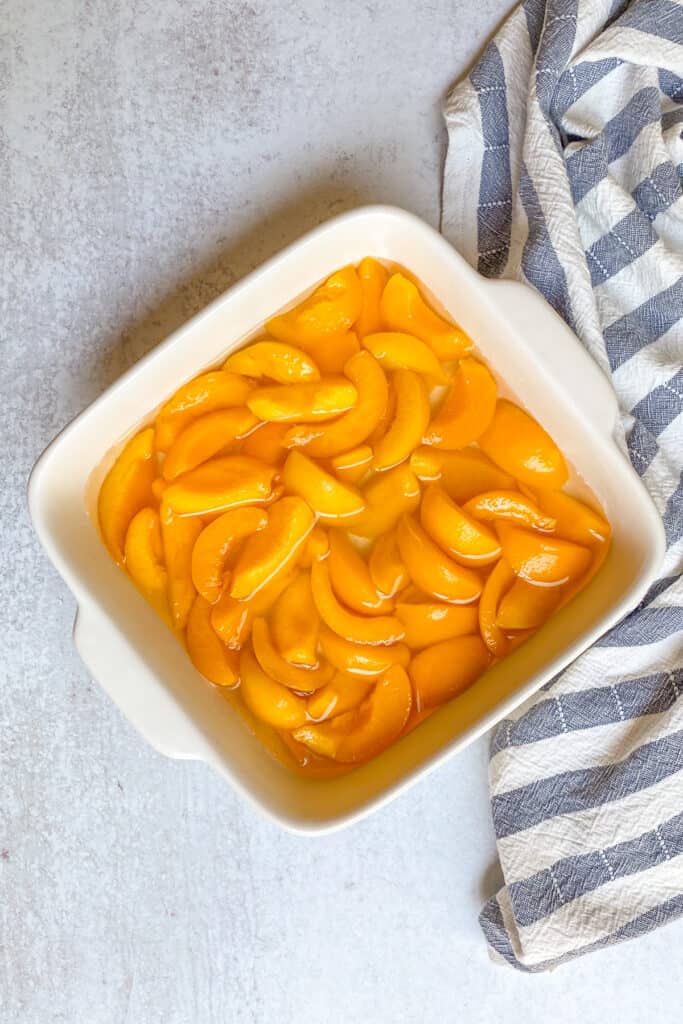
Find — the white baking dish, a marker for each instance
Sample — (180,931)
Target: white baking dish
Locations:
(144,669)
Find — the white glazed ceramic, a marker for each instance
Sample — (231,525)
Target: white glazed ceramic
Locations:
(143,668)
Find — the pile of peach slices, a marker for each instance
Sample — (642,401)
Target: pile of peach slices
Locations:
(345,521)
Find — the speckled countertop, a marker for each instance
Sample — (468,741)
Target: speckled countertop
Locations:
(150,155)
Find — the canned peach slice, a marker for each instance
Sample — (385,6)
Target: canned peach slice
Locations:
(527,605)
(460,535)
(445,669)
(144,555)
(351,580)
(217,542)
(179,534)
(387,571)
(387,498)
(520,445)
(284,363)
(296,677)
(373,278)
(331,499)
(411,416)
(462,474)
(431,569)
(127,488)
(499,581)
(361,629)
(431,622)
(220,484)
(542,559)
(308,402)
(398,351)
(271,551)
(345,692)
(361,659)
(267,699)
(331,310)
(403,309)
(205,437)
(295,623)
(206,393)
(512,505)
(209,656)
(467,409)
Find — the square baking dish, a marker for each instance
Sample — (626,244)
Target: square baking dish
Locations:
(130,652)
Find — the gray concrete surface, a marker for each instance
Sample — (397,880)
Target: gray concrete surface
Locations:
(151,154)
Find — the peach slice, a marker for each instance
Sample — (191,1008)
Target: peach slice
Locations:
(512,505)
(217,542)
(527,606)
(316,546)
(520,445)
(410,419)
(431,622)
(332,354)
(220,484)
(465,539)
(499,581)
(295,623)
(206,393)
(366,731)
(232,621)
(467,410)
(344,693)
(396,351)
(443,670)
(542,559)
(284,363)
(352,466)
(330,311)
(360,659)
(179,534)
(463,474)
(324,440)
(351,580)
(331,499)
(266,443)
(267,699)
(373,278)
(209,656)
(159,485)
(574,520)
(269,553)
(308,402)
(127,488)
(360,629)
(305,680)
(387,498)
(402,308)
(144,554)
(206,437)
(387,571)
(431,569)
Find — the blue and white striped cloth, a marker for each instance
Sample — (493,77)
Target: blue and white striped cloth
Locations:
(571,124)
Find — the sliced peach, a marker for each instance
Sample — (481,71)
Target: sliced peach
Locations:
(330,311)
(209,656)
(542,559)
(267,699)
(387,498)
(360,629)
(331,499)
(206,393)
(205,437)
(273,550)
(403,309)
(284,363)
(159,485)
(144,554)
(387,571)
(351,580)
(217,542)
(527,605)
(331,354)
(308,402)
(431,622)
(464,538)
(126,489)
(179,534)
(410,419)
(324,440)
(443,670)
(316,546)
(396,351)
(512,505)
(498,582)
(462,474)
(431,569)
(232,621)
(352,466)
(366,731)
(467,410)
(373,278)
(305,680)
(344,693)
(295,623)
(520,445)
(574,520)
(360,659)
(266,442)
(220,484)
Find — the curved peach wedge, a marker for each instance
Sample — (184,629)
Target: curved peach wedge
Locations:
(266,443)
(209,656)
(273,550)
(527,606)
(443,670)
(387,571)
(410,419)
(179,534)
(365,732)
(352,466)
(295,623)
(267,699)
(316,546)
(220,484)
(493,505)
(542,559)
(305,680)
(308,402)
(331,499)
(344,693)
(396,351)
(431,569)
(144,554)
(431,622)
(574,520)
(519,444)
(499,581)
(373,278)
(126,489)
(216,542)
(360,659)
(206,393)
(464,538)
(359,629)
(351,580)
(284,363)
(205,437)
(387,498)
(232,621)
(463,474)
(467,410)
(402,308)
(331,310)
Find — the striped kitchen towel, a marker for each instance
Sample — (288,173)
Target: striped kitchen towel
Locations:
(571,123)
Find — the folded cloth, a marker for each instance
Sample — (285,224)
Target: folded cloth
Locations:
(571,125)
